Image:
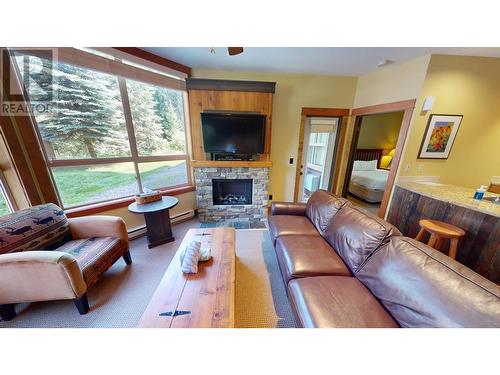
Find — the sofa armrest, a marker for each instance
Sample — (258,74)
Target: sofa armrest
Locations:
(98,226)
(39,276)
(288,208)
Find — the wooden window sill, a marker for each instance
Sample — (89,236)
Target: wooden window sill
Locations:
(93,209)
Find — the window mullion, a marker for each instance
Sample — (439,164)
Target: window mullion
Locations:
(130,129)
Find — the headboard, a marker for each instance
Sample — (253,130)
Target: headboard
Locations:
(368,154)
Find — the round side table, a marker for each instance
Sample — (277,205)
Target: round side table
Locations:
(157,217)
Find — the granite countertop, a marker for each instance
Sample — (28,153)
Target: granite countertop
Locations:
(457,195)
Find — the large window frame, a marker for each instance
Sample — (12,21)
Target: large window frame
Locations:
(146,76)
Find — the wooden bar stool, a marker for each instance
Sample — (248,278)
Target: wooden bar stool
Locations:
(440,231)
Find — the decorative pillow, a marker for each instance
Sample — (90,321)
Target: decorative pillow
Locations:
(363,165)
(385,161)
(42,227)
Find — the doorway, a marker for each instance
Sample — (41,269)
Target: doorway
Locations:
(375,146)
(320,143)
(377,143)
(321,135)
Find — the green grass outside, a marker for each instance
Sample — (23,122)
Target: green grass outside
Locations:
(4,209)
(86,184)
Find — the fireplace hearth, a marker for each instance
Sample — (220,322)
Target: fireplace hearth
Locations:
(231,194)
(232,191)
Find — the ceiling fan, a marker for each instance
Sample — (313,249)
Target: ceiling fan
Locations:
(232,51)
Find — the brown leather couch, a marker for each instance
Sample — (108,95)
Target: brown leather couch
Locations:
(344,267)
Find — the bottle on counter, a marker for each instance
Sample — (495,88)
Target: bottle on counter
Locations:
(480,192)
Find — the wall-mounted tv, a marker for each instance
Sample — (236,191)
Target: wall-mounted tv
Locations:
(234,133)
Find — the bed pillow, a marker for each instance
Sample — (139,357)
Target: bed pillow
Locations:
(362,165)
(385,161)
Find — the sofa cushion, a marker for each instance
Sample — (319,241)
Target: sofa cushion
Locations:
(355,234)
(303,256)
(335,302)
(285,225)
(42,227)
(422,287)
(321,207)
(94,255)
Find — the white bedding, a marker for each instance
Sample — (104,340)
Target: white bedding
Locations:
(374,180)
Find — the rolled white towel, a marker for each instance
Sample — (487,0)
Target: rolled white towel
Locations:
(205,254)
(190,257)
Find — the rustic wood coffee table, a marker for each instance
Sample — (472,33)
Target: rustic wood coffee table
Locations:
(201,300)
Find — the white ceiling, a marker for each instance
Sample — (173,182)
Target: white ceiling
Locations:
(351,61)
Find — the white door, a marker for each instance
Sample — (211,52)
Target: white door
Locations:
(320,134)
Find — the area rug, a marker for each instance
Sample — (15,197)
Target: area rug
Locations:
(261,300)
(235,224)
(121,296)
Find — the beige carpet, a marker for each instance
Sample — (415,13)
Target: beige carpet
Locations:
(121,296)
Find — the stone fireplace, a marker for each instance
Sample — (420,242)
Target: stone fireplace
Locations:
(228,192)
(231,193)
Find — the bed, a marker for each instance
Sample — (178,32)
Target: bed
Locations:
(368,180)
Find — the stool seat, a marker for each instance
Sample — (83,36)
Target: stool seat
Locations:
(440,231)
(443,229)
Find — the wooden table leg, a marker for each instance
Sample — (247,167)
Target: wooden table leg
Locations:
(453,248)
(158,228)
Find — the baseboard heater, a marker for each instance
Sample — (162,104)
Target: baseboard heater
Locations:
(141,230)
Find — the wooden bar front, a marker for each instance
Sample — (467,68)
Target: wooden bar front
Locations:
(478,250)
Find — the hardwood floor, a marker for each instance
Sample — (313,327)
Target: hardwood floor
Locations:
(370,207)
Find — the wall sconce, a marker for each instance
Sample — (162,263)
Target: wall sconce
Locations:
(428,103)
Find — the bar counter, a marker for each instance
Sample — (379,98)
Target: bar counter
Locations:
(479,249)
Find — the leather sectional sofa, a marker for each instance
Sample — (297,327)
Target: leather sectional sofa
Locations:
(344,267)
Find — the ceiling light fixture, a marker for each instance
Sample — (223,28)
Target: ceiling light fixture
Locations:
(385,62)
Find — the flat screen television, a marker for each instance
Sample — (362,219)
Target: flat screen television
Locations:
(233,133)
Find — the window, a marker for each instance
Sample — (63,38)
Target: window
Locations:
(107,136)
(318,143)
(6,202)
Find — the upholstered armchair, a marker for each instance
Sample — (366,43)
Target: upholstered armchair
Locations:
(46,256)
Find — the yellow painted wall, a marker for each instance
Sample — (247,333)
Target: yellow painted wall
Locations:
(293,91)
(380,131)
(469,86)
(392,83)
(187,201)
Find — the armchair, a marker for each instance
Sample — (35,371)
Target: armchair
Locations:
(46,256)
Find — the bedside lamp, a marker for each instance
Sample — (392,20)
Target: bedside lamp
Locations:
(385,160)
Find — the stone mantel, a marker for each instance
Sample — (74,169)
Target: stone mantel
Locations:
(208,212)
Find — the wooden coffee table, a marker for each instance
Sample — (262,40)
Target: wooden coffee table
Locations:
(201,300)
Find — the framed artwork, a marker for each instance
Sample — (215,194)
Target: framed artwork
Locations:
(439,136)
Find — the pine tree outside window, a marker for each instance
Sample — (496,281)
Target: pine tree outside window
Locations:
(108,136)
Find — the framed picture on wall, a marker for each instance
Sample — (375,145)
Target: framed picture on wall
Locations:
(439,136)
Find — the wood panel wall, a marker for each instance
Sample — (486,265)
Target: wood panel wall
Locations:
(479,249)
(202,100)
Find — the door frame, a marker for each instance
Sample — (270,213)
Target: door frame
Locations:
(343,114)
(406,106)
